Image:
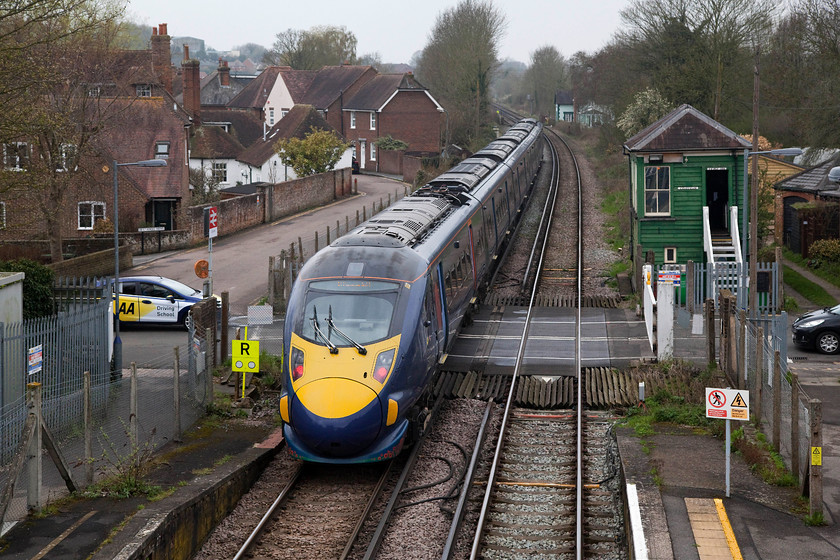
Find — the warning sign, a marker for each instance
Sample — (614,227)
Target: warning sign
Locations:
(728,404)
(245,356)
(816,456)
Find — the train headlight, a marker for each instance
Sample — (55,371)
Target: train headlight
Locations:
(296,363)
(384,361)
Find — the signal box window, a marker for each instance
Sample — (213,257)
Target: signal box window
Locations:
(670,255)
(657,191)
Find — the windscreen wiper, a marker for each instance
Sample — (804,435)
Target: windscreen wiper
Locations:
(361,349)
(318,332)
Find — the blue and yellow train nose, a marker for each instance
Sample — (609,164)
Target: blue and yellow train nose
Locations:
(335,416)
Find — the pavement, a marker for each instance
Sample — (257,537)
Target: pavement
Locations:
(676,480)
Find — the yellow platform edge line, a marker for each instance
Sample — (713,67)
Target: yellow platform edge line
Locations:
(727,530)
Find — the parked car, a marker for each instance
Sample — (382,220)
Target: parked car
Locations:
(819,329)
(157,300)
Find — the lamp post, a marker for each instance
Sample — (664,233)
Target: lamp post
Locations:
(752,207)
(117,340)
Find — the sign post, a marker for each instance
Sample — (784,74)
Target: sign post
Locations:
(212,231)
(245,357)
(728,404)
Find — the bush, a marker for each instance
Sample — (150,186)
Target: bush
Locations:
(37,287)
(825,250)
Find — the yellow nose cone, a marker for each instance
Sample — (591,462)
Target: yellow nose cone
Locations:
(335,397)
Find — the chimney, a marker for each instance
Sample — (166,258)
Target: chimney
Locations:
(162,57)
(224,73)
(192,86)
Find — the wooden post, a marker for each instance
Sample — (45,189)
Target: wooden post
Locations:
(357,217)
(34,463)
(337,229)
(211,347)
(132,419)
(88,432)
(759,373)
(292,251)
(780,279)
(346,223)
(328,236)
(316,241)
(794,424)
(271,274)
(300,249)
(637,269)
(733,342)
(777,401)
(176,394)
(710,331)
(742,345)
(689,287)
(815,483)
(223,336)
(364,213)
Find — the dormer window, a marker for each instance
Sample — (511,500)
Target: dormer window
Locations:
(373,121)
(352,119)
(144,90)
(161,150)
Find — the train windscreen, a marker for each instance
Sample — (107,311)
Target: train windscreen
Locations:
(338,310)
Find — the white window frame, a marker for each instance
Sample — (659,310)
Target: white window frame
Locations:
(672,258)
(143,90)
(2,215)
(654,189)
(372,151)
(352,119)
(271,116)
(14,161)
(93,215)
(66,153)
(283,112)
(162,150)
(219,172)
(373,121)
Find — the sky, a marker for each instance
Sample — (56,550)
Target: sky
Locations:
(395,29)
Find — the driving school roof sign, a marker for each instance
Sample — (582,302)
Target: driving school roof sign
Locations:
(727,404)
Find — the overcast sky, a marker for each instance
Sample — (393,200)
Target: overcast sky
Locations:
(395,29)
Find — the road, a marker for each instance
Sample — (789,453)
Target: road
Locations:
(240,264)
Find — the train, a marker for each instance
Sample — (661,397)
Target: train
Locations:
(371,315)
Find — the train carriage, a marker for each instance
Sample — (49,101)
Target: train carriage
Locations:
(370,316)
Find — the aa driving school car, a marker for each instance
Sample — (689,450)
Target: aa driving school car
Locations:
(155,299)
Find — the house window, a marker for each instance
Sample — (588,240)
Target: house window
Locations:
(373,121)
(66,157)
(2,215)
(219,172)
(144,90)
(657,190)
(271,116)
(94,91)
(283,112)
(352,119)
(372,151)
(670,255)
(161,150)
(89,213)
(16,155)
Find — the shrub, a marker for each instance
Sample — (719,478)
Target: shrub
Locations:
(37,287)
(825,250)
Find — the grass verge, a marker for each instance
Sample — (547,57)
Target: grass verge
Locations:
(807,289)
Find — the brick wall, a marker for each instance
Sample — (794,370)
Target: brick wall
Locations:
(100,263)
(295,196)
(413,118)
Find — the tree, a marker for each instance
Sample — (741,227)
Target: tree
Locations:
(648,107)
(459,62)
(48,118)
(546,75)
(317,152)
(311,50)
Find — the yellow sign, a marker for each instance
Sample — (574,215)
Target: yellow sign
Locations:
(738,401)
(816,456)
(245,355)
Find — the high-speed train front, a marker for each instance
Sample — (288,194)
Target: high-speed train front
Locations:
(355,348)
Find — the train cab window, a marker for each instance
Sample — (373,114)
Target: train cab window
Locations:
(361,309)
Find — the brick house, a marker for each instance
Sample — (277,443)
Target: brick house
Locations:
(139,120)
(394,105)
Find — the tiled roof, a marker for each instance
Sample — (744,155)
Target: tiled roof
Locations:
(301,120)
(375,93)
(330,82)
(212,142)
(813,180)
(255,93)
(213,93)
(685,128)
(244,125)
(297,82)
(564,98)
(139,124)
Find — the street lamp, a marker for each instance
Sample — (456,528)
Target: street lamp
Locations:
(752,206)
(117,340)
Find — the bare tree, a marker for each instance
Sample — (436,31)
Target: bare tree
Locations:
(312,49)
(546,75)
(458,63)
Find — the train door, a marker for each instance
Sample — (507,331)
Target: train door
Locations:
(495,225)
(439,299)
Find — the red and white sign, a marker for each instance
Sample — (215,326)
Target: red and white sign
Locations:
(728,404)
(213,218)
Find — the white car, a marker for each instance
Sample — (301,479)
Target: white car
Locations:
(155,299)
